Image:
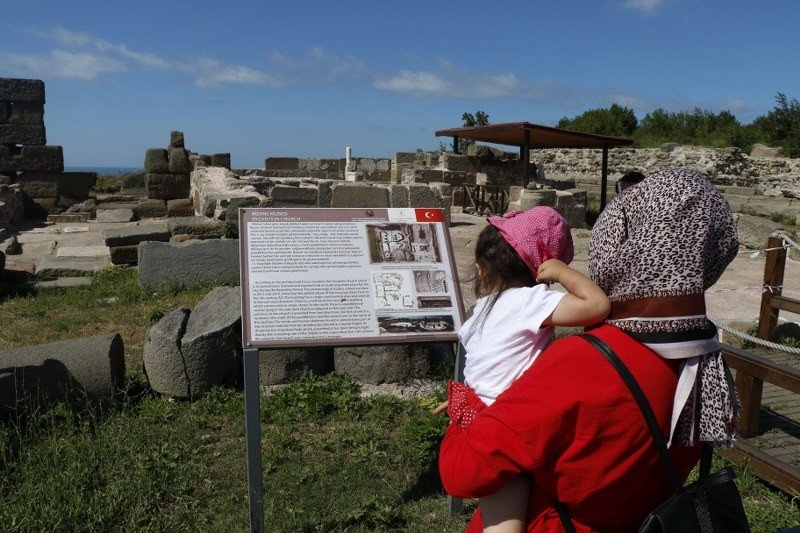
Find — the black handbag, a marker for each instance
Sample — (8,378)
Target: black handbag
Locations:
(710,504)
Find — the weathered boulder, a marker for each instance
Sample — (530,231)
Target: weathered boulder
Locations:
(90,368)
(186,353)
(162,358)
(762,150)
(12,207)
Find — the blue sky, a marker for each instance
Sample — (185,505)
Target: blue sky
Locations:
(280,78)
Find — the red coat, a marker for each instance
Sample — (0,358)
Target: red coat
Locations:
(572,423)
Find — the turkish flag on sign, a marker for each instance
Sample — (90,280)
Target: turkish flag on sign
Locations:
(429,215)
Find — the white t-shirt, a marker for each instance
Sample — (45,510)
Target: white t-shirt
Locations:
(503,344)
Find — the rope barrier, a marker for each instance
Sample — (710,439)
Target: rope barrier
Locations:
(756,340)
(786,239)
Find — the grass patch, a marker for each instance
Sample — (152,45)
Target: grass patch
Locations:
(108,184)
(114,302)
(333,461)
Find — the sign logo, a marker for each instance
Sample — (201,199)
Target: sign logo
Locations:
(429,215)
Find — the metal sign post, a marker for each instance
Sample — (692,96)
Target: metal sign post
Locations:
(340,277)
(252,397)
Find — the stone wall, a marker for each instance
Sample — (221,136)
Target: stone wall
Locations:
(772,176)
(26,161)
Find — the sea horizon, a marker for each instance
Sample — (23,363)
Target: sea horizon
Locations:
(103,170)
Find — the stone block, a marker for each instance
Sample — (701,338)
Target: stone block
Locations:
(179,161)
(30,113)
(152,208)
(740,191)
(162,357)
(195,263)
(232,209)
(8,159)
(221,160)
(282,365)
(181,207)
(134,180)
(765,206)
(422,196)
(736,202)
(451,161)
(22,90)
(287,196)
(529,198)
(76,185)
(331,166)
(324,193)
(22,134)
(176,139)
(5,111)
(282,163)
(753,231)
(68,218)
(427,175)
(432,159)
(40,185)
(114,215)
(156,161)
(124,255)
(202,227)
(88,368)
(398,195)
(167,186)
(391,363)
(579,195)
(132,235)
(356,195)
(41,159)
(405,158)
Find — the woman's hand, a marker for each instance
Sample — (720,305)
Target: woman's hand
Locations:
(442,407)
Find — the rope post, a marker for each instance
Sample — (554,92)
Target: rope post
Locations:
(773,278)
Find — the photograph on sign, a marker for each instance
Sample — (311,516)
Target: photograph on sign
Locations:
(347,277)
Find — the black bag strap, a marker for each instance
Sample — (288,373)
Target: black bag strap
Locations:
(644,406)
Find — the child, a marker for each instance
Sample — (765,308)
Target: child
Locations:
(516,257)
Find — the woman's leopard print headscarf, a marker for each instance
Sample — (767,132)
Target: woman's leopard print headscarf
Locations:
(655,249)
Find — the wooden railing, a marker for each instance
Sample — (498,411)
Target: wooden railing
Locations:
(493,198)
(753,370)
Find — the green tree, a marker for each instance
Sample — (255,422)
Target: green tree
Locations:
(614,120)
(781,126)
(480,118)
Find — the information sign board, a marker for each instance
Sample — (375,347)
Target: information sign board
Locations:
(333,277)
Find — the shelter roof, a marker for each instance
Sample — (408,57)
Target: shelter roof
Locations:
(513,134)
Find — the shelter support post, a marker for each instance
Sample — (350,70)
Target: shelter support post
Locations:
(604,179)
(455,146)
(525,157)
(252,397)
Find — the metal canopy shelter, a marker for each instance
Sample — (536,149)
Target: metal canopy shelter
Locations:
(527,136)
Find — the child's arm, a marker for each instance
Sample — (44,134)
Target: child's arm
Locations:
(586,303)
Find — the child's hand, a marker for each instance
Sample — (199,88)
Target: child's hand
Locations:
(442,407)
(550,271)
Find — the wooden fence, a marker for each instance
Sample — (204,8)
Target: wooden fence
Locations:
(753,370)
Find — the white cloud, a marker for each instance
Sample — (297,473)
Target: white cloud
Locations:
(212,73)
(319,66)
(60,64)
(646,6)
(414,83)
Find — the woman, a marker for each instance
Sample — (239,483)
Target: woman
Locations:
(570,421)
